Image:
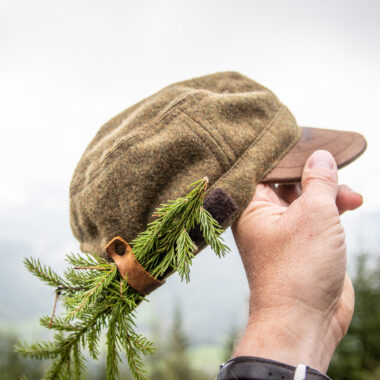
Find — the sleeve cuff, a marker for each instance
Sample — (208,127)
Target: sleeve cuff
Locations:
(250,368)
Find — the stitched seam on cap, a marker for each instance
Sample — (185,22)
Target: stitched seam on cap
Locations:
(135,139)
(143,135)
(258,138)
(116,153)
(216,143)
(209,146)
(284,153)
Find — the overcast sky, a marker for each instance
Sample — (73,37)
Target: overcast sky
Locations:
(66,67)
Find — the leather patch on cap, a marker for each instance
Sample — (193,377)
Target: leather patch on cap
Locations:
(130,269)
(221,207)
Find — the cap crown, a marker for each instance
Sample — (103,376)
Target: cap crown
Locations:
(224,126)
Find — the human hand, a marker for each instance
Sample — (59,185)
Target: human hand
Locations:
(292,245)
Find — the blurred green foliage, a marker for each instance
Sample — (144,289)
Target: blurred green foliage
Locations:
(13,365)
(172,362)
(358,355)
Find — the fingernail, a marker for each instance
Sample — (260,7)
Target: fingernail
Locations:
(321,159)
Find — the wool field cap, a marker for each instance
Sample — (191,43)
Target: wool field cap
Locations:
(224,126)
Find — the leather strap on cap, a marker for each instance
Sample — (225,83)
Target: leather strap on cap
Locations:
(130,269)
(222,208)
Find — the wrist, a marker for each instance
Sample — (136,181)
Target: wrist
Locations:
(287,338)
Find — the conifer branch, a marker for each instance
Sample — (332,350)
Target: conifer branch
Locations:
(96,297)
(44,273)
(91,295)
(57,323)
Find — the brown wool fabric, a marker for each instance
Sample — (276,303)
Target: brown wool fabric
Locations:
(224,126)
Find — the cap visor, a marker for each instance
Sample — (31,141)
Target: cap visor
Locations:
(344,146)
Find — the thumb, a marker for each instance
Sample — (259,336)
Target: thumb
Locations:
(320,176)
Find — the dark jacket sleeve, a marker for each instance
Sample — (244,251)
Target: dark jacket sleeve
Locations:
(253,368)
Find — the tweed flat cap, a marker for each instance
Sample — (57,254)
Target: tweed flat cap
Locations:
(224,126)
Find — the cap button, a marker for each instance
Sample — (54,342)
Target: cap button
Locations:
(120,249)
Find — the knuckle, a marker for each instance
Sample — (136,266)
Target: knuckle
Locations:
(321,204)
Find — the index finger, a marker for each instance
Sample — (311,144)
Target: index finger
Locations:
(289,192)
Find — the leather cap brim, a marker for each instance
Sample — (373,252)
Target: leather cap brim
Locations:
(344,146)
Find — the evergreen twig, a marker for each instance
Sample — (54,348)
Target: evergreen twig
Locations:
(95,296)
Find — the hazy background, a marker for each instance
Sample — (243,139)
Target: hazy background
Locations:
(66,67)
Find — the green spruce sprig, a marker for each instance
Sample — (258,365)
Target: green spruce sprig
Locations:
(96,297)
